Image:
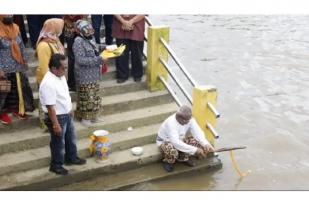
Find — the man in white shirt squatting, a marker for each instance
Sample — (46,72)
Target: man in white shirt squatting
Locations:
(174,142)
(57,106)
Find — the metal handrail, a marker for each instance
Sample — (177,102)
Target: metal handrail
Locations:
(177,61)
(148,21)
(212,130)
(188,76)
(213,110)
(168,69)
(170,90)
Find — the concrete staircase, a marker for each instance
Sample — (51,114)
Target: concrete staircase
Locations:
(25,154)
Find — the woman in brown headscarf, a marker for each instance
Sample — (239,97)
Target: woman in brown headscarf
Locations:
(48,44)
(13,67)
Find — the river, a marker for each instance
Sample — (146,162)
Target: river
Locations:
(259,65)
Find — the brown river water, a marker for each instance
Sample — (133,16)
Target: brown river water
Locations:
(259,65)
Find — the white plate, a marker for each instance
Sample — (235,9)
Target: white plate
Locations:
(137,151)
(111,47)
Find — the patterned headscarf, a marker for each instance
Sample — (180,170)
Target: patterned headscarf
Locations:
(84,28)
(10,32)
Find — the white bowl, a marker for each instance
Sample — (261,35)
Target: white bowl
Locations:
(137,151)
(100,133)
(111,47)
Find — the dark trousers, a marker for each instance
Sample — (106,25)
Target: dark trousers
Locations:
(108,22)
(19,20)
(63,147)
(135,49)
(96,24)
(35,24)
(71,62)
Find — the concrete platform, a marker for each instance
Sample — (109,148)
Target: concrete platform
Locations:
(42,179)
(126,179)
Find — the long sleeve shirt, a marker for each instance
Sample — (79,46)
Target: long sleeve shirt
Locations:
(172,131)
(44,54)
(87,63)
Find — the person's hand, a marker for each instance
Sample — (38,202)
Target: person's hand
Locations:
(72,114)
(2,74)
(127,25)
(57,130)
(208,148)
(105,60)
(200,153)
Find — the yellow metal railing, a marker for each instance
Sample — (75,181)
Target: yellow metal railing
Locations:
(204,98)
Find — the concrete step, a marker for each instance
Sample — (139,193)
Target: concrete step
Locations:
(110,74)
(128,179)
(111,104)
(31,136)
(42,179)
(107,87)
(128,101)
(40,157)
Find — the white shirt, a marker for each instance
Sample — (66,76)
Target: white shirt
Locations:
(172,131)
(55,91)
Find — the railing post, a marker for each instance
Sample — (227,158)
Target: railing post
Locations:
(202,112)
(155,50)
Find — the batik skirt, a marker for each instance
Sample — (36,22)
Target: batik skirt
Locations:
(88,102)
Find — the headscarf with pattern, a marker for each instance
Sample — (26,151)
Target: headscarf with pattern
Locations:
(84,29)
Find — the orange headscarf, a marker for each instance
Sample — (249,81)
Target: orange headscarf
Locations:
(10,33)
(50,31)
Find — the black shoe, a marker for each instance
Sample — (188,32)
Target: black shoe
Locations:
(168,167)
(77,161)
(59,170)
(119,81)
(138,79)
(190,163)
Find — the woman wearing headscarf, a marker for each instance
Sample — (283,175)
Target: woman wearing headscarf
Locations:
(87,74)
(13,67)
(48,44)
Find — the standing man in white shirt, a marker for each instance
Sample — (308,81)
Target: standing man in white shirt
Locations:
(176,145)
(57,106)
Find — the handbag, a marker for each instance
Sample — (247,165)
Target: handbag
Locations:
(103,68)
(5,86)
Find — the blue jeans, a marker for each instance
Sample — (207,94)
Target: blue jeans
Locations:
(62,147)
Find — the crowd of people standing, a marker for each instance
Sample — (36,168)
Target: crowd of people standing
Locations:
(79,38)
